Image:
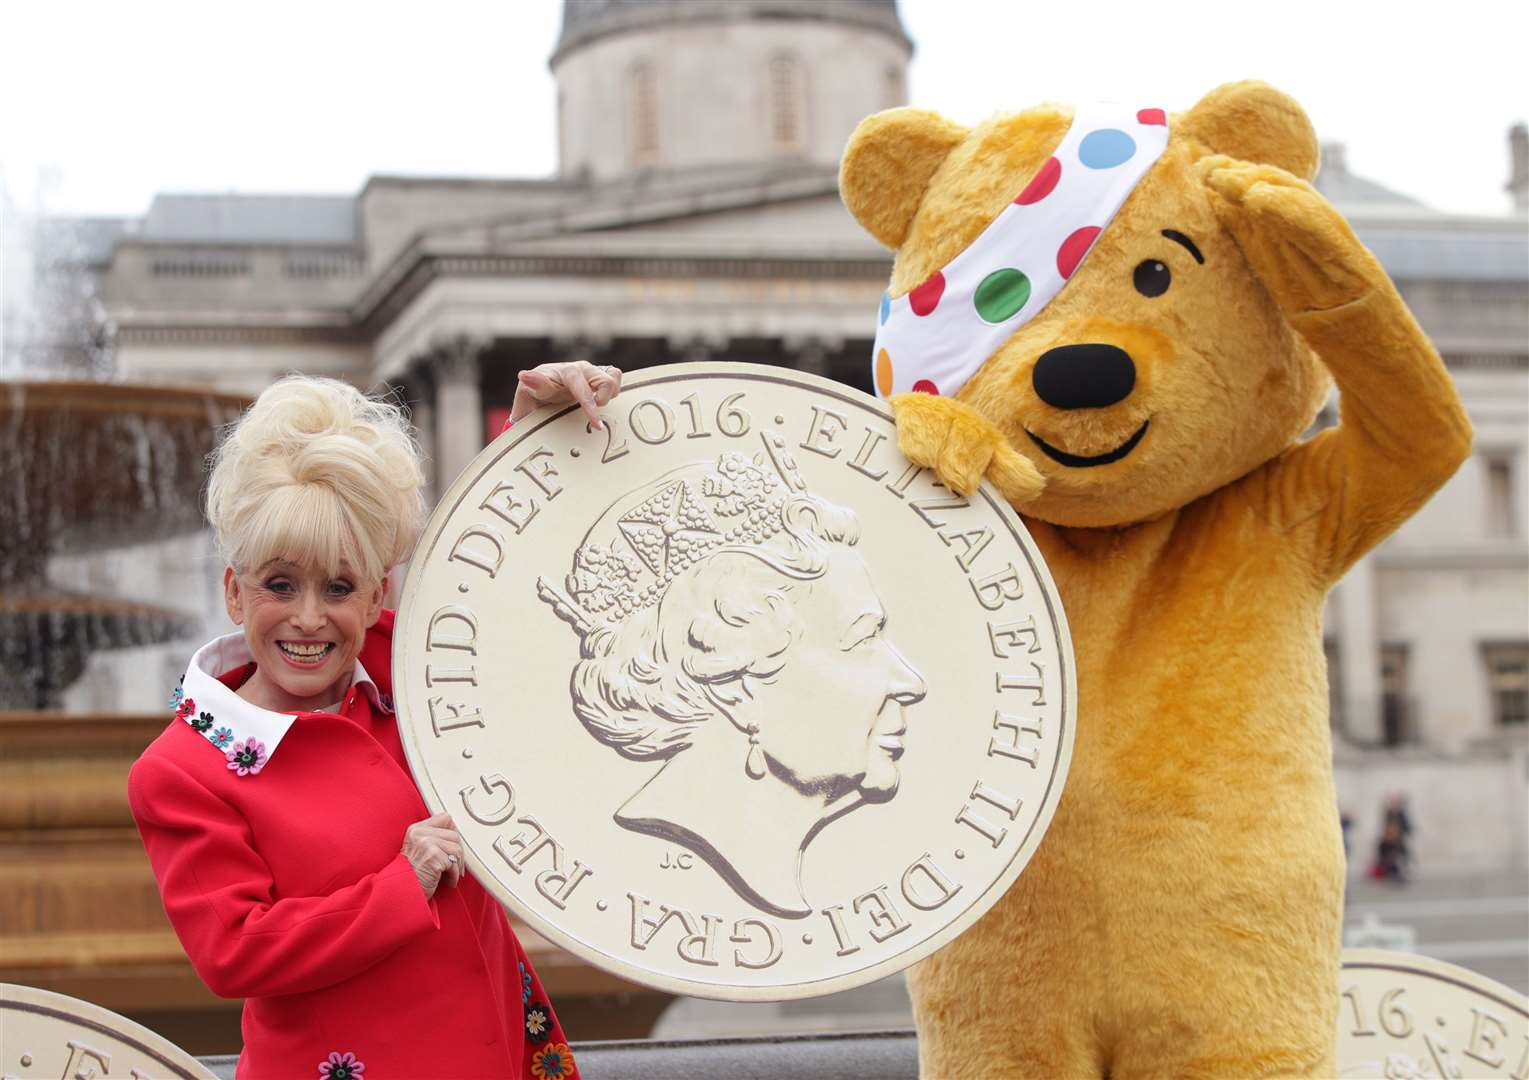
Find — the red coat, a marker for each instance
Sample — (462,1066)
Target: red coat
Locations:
(276,841)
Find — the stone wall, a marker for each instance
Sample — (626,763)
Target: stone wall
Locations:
(395,210)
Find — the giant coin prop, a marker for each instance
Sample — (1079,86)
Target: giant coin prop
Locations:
(729,698)
(1403,1017)
(43,1034)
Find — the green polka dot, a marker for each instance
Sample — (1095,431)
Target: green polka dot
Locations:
(1001,294)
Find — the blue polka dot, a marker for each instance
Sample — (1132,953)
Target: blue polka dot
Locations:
(1106,148)
(886,308)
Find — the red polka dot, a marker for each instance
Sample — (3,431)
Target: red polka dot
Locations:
(1071,253)
(1043,184)
(926,297)
(924,386)
(1152,116)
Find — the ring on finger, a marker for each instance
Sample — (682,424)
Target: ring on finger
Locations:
(451,859)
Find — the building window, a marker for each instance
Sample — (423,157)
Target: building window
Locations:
(562,131)
(1396,725)
(1501,520)
(642,113)
(1334,684)
(785,103)
(1508,681)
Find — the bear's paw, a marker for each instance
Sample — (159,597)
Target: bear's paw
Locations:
(962,447)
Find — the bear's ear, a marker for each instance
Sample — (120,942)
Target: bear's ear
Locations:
(1254,122)
(887,166)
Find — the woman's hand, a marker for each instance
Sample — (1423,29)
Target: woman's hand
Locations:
(434,848)
(555,384)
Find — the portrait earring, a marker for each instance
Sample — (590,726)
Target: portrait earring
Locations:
(754,764)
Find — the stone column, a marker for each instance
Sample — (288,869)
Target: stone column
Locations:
(810,354)
(1518,165)
(458,416)
(572,349)
(698,349)
(1359,653)
(421,397)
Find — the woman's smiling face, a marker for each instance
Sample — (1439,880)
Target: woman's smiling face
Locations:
(304,628)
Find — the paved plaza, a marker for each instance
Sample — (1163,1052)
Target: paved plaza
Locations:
(1477,922)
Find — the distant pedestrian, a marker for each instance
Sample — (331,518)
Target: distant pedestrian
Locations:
(1396,814)
(1393,854)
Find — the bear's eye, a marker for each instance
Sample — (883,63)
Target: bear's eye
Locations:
(1152,278)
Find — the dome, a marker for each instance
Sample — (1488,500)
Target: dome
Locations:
(587,20)
(649,86)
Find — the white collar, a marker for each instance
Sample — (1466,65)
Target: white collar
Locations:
(226,720)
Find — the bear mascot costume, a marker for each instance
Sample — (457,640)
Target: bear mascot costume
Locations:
(1127,320)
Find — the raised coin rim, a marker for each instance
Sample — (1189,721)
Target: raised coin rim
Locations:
(1439,971)
(721,991)
(17,998)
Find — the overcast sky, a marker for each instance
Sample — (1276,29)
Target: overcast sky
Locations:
(110,102)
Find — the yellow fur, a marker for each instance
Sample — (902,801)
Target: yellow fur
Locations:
(903,165)
(1182,916)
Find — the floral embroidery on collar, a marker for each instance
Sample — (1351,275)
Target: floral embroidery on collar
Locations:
(552,1062)
(247,758)
(525,985)
(245,734)
(338,1066)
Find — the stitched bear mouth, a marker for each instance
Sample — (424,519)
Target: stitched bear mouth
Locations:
(1077,461)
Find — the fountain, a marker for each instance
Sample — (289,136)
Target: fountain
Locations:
(91,466)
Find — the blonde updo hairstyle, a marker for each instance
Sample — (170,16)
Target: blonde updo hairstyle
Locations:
(319,474)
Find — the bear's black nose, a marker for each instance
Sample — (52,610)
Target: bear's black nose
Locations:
(1083,376)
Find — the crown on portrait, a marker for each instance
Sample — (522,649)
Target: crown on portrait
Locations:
(652,535)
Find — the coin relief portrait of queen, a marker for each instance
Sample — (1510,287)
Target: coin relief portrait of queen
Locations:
(730,630)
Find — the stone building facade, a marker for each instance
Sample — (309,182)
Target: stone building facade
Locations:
(695,216)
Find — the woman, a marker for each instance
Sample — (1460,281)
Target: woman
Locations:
(294,854)
(730,629)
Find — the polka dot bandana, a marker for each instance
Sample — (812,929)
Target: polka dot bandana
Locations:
(937,336)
